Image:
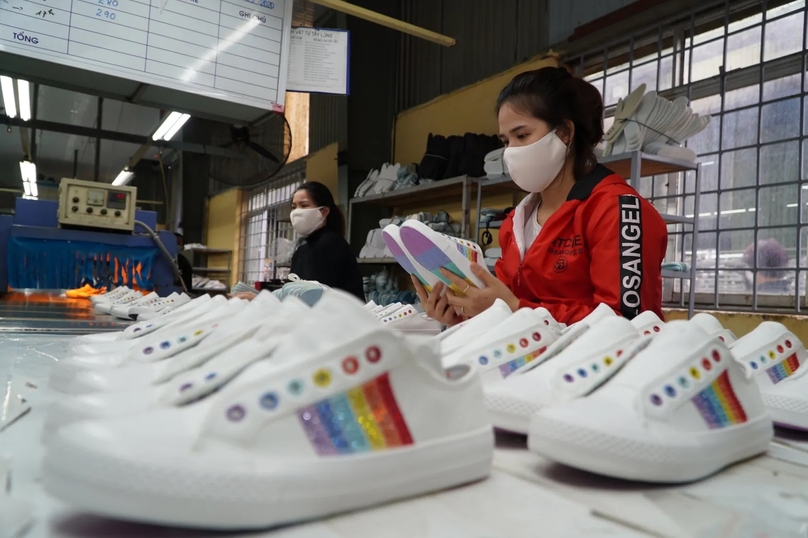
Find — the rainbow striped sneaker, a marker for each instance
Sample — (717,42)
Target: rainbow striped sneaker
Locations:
(680,410)
(433,251)
(356,417)
(585,359)
(392,238)
(778,361)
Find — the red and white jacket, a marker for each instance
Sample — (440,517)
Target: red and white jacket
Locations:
(605,244)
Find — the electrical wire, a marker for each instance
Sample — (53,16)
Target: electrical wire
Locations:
(165,252)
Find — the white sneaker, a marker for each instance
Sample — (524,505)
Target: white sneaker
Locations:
(155,305)
(587,361)
(122,310)
(462,334)
(113,295)
(712,326)
(680,410)
(512,346)
(408,320)
(355,417)
(601,312)
(648,323)
(391,234)
(191,309)
(777,360)
(129,297)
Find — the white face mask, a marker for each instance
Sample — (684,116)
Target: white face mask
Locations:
(306,221)
(535,166)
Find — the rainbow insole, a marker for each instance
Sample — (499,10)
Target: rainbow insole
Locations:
(364,419)
(402,259)
(430,256)
(718,404)
(783,370)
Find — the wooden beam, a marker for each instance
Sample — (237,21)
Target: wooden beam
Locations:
(389,22)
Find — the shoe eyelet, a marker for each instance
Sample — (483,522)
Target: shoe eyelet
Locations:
(295,387)
(716,356)
(510,348)
(165,345)
(568,378)
(656,400)
(523,342)
(235,413)
(537,336)
(322,377)
(780,349)
(373,354)
(483,360)
(186,386)
(706,364)
(350,365)
(269,401)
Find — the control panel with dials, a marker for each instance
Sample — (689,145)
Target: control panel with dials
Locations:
(96,205)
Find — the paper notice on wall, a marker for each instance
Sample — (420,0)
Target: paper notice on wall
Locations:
(318,61)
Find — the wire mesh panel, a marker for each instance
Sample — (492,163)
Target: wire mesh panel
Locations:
(744,64)
(267,232)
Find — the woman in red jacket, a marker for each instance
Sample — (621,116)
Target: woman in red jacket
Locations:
(582,236)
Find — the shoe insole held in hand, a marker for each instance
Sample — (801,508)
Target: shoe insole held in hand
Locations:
(435,251)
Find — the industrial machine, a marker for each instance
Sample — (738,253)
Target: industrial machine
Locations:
(89,204)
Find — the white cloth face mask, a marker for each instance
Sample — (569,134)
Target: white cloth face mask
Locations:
(535,166)
(306,221)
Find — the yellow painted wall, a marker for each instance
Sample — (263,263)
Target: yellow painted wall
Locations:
(742,323)
(467,110)
(322,166)
(223,230)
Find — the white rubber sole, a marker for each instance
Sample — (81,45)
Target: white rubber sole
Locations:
(653,460)
(787,411)
(266,495)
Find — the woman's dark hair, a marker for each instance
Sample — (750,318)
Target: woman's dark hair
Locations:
(322,197)
(552,95)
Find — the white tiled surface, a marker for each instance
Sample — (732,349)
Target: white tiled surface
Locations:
(524,497)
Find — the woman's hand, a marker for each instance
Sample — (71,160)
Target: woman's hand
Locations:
(247,296)
(475,300)
(435,306)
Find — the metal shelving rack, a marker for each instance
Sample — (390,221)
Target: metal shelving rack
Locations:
(198,268)
(634,166)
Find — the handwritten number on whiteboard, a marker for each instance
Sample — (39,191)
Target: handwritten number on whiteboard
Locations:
(113,3)
(104,14)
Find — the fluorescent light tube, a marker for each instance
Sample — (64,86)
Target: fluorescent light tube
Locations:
(123,178)
(177,126)
(7,87)
(27,187)
(34,190)
(166,126)
(24,94)
(28,171)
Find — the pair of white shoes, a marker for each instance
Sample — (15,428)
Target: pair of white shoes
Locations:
(423,252)
(330,411)
(148,304)
(118,297)
(405,318)
(379,181)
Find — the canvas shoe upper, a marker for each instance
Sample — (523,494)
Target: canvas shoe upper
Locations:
(602,311)
(407,319)
(129,297)
(777,360)
(464,333)
(680,410)
(392,238)
(355,417)
(712,326)
(191,309)
(648,323)
(122,311)
(509,348)
(588,359)
(111,296)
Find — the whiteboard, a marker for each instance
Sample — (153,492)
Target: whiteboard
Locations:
(318,61)
(233,50)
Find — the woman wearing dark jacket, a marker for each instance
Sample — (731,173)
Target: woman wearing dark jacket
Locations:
(324,255)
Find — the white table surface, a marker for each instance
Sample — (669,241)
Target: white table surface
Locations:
(525,495)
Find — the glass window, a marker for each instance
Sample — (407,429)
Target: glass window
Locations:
(740,128)
(779,163)
(780,120)
(783,37)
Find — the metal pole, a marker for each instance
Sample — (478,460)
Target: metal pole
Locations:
(75,163)
(97,164)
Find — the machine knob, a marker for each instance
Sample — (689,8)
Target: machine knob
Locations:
(75,199)
(103,211)
(117,213)
(75,208)
(89,210)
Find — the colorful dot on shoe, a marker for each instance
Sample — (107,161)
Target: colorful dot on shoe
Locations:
(608,361)
(568,378)
(646,333)
(483,360)
(595,367)
(350,365)
(137,330)
(510,348)
(716,356)
(269,401)
(721,338)
(197,333)
(780,349)
(754,365)
(581,372)
(762,359)
(547,322)
(497,353)
(537,336)
(210,376)
(656,400)
(182,339)
(235,413)
(523,342)
(772,355)
(683,382)
(619,352)
(670,391)
(148,351)
(656,328)
(694,373)
(186,386)
(706,364)
(322,377)
(149,326)
(788,344)
(373,354)
(295,387)
(165,345)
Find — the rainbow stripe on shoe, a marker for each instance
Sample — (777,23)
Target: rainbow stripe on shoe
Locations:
(718,404)
(511,366)
(431,257)
(785,369)
(364,419)
(466,249)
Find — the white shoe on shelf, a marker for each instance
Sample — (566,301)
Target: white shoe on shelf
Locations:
(586,362)
(777,360)
(680,410)
(355,417)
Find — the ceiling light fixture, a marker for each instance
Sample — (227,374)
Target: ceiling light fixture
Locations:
(9,102)
(123,178)
(24,95)
(170,126)
(28,171)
